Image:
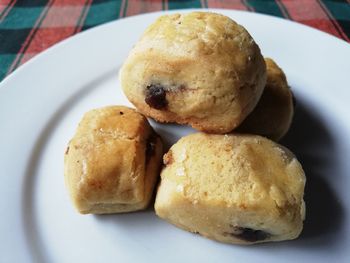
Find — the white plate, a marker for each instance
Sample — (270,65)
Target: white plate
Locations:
(42,102)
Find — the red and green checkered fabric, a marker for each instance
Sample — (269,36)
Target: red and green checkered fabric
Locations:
(28,27)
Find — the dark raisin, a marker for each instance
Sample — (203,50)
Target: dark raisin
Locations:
(67,150)
(121,113)
(248,234)
(156,96)
(150,147)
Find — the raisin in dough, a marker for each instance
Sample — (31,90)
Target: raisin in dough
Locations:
(273,115)
(113,161)
(240,189)
(201,69)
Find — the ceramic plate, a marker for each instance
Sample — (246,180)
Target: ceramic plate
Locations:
(42,102)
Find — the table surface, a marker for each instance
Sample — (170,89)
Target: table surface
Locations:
(28,27)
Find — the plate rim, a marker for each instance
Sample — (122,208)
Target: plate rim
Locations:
(40,56)
(63,42)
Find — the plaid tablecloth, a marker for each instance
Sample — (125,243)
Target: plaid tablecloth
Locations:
(27,27)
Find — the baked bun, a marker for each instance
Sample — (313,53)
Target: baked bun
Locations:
(240,189)
(113,161)
(273,115)
(199,68)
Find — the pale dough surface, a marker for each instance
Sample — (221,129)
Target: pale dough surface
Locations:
(112,162)
(200,68)
(232,188)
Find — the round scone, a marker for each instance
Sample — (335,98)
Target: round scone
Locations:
(273,114)
(200,68)
(240,189)
(113,161)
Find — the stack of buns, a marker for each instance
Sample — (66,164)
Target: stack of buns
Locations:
(230,182)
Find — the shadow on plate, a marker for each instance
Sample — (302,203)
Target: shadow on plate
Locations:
(309,138)
(312,142)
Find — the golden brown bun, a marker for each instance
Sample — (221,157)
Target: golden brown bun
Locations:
(112,162)
(240,189)
(200,68)
(273,115)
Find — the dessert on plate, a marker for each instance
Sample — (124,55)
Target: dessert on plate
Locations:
(204,70)
(112,162)
(199,68)
(273,114)
(240,189)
